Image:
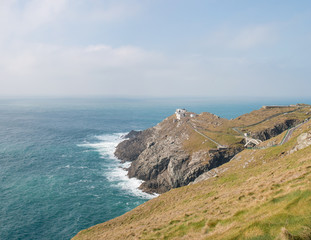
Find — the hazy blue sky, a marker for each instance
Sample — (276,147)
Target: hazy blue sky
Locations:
(157,48)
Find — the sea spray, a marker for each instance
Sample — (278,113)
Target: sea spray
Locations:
(113,169)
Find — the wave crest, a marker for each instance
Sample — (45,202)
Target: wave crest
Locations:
(116,172)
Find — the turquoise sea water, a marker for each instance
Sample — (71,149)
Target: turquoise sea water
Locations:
(58,174)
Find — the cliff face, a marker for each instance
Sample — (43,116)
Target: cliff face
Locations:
(275,130)
(179,149)
(164,164)
(130,149)
(158,156)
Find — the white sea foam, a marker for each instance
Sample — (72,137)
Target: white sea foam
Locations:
(116,174)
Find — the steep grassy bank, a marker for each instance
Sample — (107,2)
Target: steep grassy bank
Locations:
(260,194)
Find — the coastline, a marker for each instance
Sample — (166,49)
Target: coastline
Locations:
(105,145)
(190,211)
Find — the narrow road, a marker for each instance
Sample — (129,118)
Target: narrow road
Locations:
(289,133)
(237,129)
(268,118)
(202,134)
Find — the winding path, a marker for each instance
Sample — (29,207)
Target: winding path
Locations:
(202,134)
(290,132)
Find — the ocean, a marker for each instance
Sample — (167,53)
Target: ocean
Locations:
(58,173)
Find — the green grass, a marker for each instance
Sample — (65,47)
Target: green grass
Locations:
(291,211)
(231,179)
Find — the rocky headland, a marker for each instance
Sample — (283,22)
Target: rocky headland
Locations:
(185,145)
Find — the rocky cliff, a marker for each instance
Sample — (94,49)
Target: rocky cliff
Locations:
(181,148)
(158,156)
(275,130)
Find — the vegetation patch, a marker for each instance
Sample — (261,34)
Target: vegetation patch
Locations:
(229,179)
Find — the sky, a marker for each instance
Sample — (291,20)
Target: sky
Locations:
(155,48)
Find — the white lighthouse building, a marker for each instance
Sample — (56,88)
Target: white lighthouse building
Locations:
(180,113)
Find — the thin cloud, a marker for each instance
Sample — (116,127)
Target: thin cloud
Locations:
(243,38)
(19,18)
(115,12)
(36,13)
(254,36)
(100,67)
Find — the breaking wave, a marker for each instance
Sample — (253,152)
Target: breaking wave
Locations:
(113,169)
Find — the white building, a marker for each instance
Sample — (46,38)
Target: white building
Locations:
(180,113)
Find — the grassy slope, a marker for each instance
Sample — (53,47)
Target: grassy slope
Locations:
(261,192)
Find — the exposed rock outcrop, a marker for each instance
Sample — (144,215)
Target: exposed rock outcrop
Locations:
(303,141)
(131,148)
(158,156)
(164,164)
(275,130)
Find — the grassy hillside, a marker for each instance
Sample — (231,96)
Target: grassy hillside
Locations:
(260,194)
(222,130)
